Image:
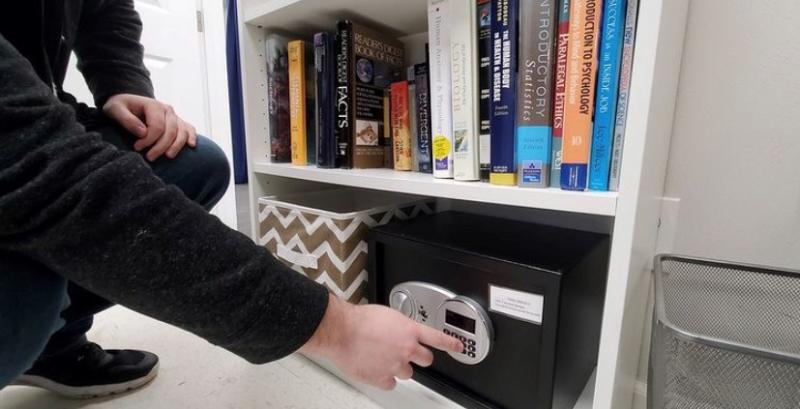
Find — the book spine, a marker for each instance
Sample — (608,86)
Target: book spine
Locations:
(538,21)
(607,90)
(582,55)
(465,96)
(345,116)
(484,16)
(388,135)
(412,117)
(560,90)
(297,102)
(624,93)
(401,127)
(440,87)
(504,88)
(325,69)
(278,99)
(424,152)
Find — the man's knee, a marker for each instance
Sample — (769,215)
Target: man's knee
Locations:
(202,172)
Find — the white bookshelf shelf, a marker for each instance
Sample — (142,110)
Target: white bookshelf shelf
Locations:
(595,203)
(309,16)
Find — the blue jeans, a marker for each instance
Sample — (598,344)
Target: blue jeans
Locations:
(41,313)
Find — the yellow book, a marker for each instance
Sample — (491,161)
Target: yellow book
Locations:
(297,102)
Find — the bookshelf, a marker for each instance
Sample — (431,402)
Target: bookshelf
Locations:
(631,216)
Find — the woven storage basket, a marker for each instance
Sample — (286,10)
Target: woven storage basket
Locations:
(323,234)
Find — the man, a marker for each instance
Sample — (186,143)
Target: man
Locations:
(84,220)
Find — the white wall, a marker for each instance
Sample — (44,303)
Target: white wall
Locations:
(735,157)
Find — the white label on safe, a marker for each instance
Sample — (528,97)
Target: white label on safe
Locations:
(516,304)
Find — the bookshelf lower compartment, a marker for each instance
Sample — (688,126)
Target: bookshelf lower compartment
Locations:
(593,203)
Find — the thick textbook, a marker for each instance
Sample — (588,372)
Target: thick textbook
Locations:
(538,21)
(440,87)
(301,97)
(325,69)
(369,62)
(584,33)
(560,90)
(624,92)
(505,18)
(422,89)
(484,16)
(608,71)
(401,127)
(277,55)
(466,99)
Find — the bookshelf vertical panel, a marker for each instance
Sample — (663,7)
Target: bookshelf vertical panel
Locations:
(659,48)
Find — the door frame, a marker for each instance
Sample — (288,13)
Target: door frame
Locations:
(215,75)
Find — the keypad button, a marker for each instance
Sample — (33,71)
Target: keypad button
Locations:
(471,342)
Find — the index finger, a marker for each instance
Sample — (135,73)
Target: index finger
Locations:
(439,340)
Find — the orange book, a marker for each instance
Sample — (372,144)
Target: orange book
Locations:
(297,102)
(401,128)
(582,53)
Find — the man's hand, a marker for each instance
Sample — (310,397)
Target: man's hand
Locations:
(153,122)
(375,344)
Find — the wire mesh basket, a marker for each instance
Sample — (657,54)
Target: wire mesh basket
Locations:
(725,336)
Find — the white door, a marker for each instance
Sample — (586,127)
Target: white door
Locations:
(175,54)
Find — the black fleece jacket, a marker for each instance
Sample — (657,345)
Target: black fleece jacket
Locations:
(99,217)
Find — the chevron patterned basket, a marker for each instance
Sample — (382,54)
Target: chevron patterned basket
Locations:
(323,234)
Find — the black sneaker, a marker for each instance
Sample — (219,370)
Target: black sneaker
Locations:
(91,372)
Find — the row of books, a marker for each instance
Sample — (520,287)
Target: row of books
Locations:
(520,92)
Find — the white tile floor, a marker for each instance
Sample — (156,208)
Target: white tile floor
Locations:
(197,375)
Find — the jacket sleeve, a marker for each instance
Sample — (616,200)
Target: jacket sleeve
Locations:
(100,217)
(110,55)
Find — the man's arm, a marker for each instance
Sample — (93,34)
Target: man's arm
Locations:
(110,55)
(100,218)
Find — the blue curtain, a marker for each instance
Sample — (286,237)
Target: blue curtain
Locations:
(235,95)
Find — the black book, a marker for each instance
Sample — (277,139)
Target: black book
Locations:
(422,88)
(325,69)
(485,83)
(345,113)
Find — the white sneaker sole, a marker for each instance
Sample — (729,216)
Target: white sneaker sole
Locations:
(86,392)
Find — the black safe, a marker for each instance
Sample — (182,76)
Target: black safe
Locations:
(526,300)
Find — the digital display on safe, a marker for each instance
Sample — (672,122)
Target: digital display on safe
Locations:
(459,321)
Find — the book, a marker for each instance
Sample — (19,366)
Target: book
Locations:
(401,126)
(440,87)
(424,151)
(537,26)
(582,52)
(388,143)
(374,61)
(624,92)
(279,135)
(345,115)
(484,16)
(608,70)
(412,117)
(325,70)
(301,97)
(465,95)
(560,83)
(505,17)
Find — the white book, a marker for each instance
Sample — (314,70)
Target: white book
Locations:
(465,89)
(440,87)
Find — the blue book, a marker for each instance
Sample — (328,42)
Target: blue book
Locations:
(505,18)
(612,34)
(325,68)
